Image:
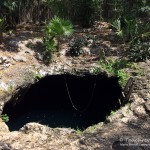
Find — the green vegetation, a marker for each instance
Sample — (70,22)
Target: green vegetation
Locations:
(117,26)
(10,88)
(117,68)
(134,34)
(79,131)
(76,46)
(112,113)
(96,70)
(93,127)
(139,52)
(5,117)
(55,28)
(131,30)
(129,20)
(82,12)
(37,76)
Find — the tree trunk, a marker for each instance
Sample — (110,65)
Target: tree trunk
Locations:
(1,37)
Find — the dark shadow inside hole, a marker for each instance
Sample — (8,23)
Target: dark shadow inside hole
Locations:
(48,102)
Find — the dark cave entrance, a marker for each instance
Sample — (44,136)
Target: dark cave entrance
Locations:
(48,102)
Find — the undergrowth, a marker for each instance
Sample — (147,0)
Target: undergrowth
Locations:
(55,29)
(5,117)
(119,68)
(139,52)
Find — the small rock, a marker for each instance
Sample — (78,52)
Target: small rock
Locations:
(86,50)
(13,42)
(96,50)
(138,100)
(3,86)
(63,51)
(125,120)
(7,65)
(20,58)
(39,56)
(42,73)
(4,146)
(1,108)
(140,111)
(4,60)
(34,127)
(147,106)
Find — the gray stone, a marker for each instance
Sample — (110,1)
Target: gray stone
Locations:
(96,50)
(3,86)
(4,146)
(14,42)
(7,65)
(20,58)
(147,106)
(39,56)
(4,59)
(1,108)
(139,111)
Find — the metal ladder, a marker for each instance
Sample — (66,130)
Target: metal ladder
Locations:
(128,89)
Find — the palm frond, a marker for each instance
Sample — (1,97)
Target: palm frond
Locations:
(58,27)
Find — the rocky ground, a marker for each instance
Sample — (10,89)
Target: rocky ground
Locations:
(20,65)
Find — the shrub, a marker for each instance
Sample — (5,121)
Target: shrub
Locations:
(76,46)
(58,27)
(117,68)
(117,26)
(50,48)
(130,30)
(54,29)
(139,52)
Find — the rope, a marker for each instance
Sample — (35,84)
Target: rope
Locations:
(90,100)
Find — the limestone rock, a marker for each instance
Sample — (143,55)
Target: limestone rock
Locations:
(20,58)
(38,128)
(3,126)
(138,100)
(4,59)
(86,50)
(147,106)
(34,127)
(3,86)
(4,146)
(39,56)
(140,111)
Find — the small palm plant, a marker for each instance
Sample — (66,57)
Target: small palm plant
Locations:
(54,29)
(130,30)
(117,25)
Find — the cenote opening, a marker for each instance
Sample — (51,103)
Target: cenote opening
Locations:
(51,102)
